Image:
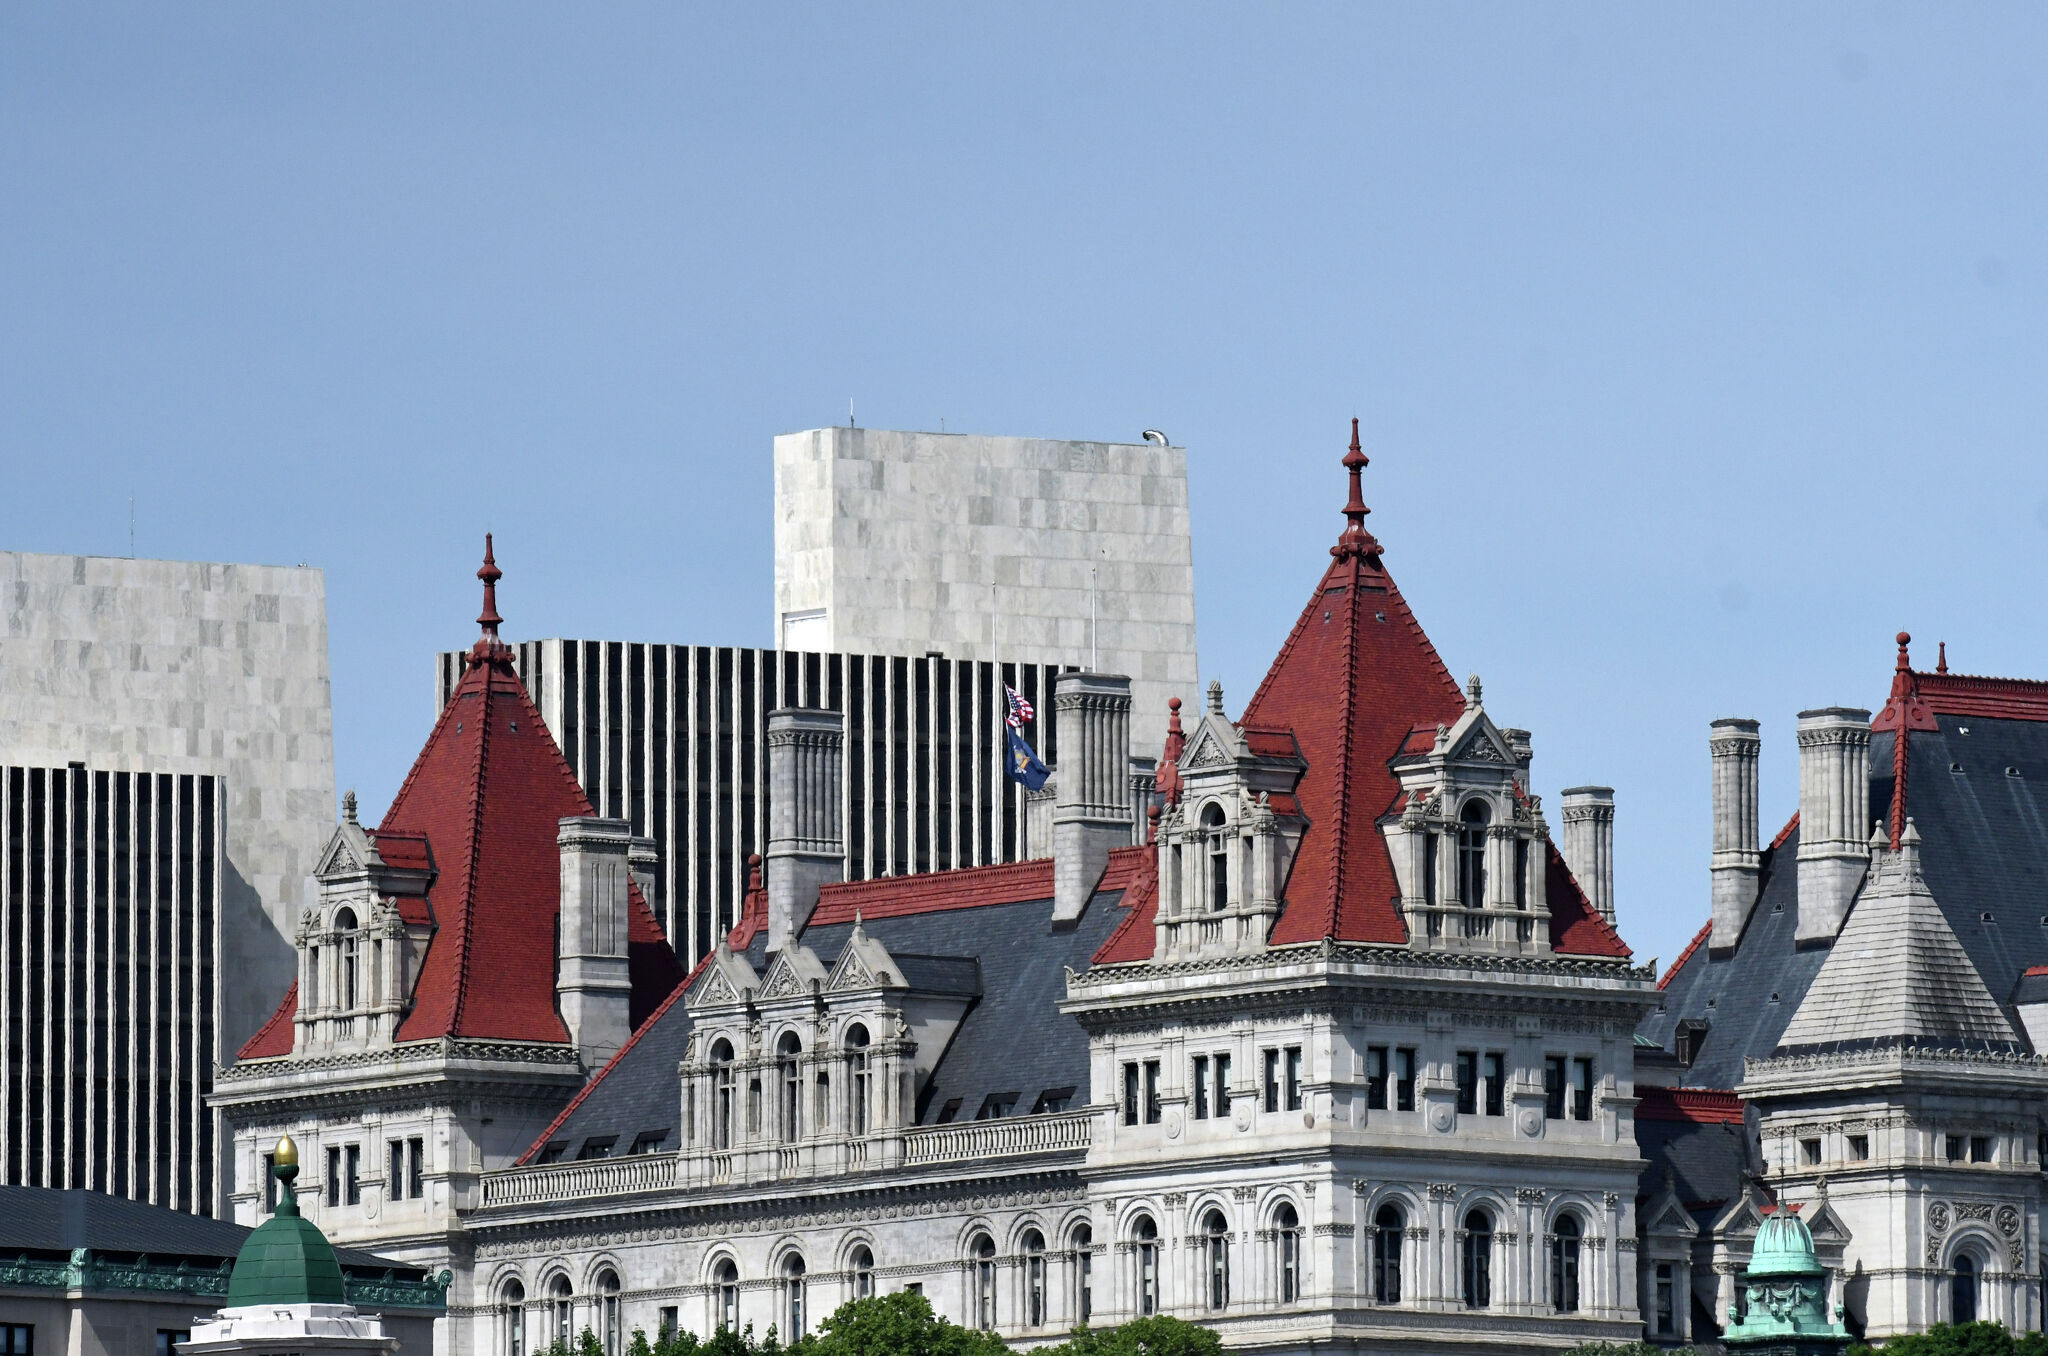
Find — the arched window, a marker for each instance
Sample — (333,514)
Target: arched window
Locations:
(786,1051)
(725,1280)
(1477,1260)
(862,1263)
(1083,1244)
(1034,1278)
(1216,1257)
(512,1299)
(983,1251)
(1287,1234)
(1472,821)
(608,1312)
(1564,1264)
(1219,857)
(351,956)
(793,1296)
(722,1091)
(857,1079)
(1962,1290)
(1387,1227)
(562,1309)
(1146,1234)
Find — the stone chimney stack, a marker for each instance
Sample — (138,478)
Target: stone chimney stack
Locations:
(1092,812)
(592,987)
(1588,843)
(1834,817)
(806,837)
(643,859)
(1733,745)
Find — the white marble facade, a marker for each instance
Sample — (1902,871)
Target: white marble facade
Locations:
(188,666)
(988,548)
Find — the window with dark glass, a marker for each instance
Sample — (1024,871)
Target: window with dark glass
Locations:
(1082,1246)
(793,1307)
(984,1251)
(1271,1081)
(1429,869)
(1496,1085)
(1219,858)
(1472,821)
(1952,1150)
(512,1303)
(1293,1067)
(1962,1290)
(1216,1258)
(610,1331)
(170,1341)
(1980,1148)
(1404,1080)
(1468,1082)
(1859,1147)
(352,1174)
(721,1095)
(1665,1320)
(1151,1092)
(1521,873)
(1582,1089)
(857,1079)
(1388,1225)
(1564,1264)
(1376,1077)
(1476,1260)
(1201,1087)
(1034,1278)
(1553,1087)
(725,1280)
(1809,1151)
(1221,1065)
(790,1080)
(1287,1234)
(1146,1236)
(1130,1094)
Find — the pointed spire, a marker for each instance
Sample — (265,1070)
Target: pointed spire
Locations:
(753,872)
(1901,691)
(1356,542)
(490,574)
(1168,781)
(1941,658)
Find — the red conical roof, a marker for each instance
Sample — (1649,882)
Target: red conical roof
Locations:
(488,793)
(1355,678)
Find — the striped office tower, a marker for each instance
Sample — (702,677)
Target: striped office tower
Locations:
(109,1002)
(674,739)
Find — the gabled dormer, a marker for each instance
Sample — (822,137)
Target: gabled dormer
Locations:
(361,943)
(1468,839)
(1226,843)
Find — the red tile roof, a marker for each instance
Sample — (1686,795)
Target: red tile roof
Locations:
(935,892)
(1700,1106)
(1136,872)
(1954,694)
(1576,927)
(274,1037)
(485,797)
(1354,678)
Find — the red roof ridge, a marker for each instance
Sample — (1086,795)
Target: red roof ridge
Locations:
(1579,929)
(2036,970)
(675,995)
(259,1045)
(935,891)
(1698,1106)
(1785,832)
(1706,931)
(1141,908)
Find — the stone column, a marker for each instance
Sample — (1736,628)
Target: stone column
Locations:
(1092,814)
(1834,817)
(806,843)
(1733,745)
(1587,843)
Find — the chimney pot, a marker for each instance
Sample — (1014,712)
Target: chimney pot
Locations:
(806,843)
(1834,805)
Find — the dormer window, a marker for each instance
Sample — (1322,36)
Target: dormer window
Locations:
(786,1052)
(857,1083)
(1472,822)
(1219,857)
(721,1095)
(351,957)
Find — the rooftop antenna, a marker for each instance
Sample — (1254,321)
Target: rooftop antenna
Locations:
(849,411)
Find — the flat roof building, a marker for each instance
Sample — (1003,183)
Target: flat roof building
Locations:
(991,548)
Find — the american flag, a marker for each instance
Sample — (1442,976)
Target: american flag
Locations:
(1020,710)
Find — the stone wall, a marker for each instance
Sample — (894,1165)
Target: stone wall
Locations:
(176,666)
(984,547)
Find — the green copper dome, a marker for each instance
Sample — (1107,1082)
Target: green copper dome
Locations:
(287,1260)
(1786,1292)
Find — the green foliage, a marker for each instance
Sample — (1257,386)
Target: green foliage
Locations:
(903,1324)
(1959,1339)
(1142,1337)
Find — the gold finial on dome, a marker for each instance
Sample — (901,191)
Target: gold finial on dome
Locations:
(286,1155)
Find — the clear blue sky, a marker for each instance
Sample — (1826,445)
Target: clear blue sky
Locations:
(1699,349)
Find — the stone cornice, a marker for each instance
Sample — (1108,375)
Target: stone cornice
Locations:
(1811,1071)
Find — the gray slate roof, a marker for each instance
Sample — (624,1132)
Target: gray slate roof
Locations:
(44,1219)
(1896,971)
(1983,853)
(1012,1040)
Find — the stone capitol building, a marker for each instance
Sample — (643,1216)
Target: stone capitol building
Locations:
(1348,1055)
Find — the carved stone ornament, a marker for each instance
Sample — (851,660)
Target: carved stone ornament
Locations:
(1173,1124)
(1532,1123)
(1937,1217)
(1241,1115)
(2008,1220)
